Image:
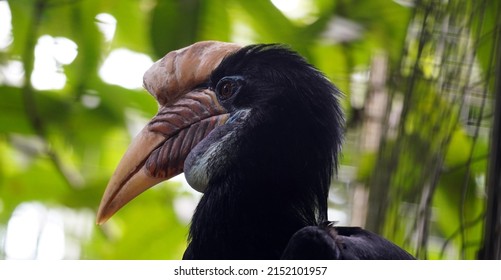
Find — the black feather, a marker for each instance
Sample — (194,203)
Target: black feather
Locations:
(341,243)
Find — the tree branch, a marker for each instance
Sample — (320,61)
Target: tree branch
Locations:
(29,102)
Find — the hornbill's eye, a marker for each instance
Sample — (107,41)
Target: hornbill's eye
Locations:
(228,86)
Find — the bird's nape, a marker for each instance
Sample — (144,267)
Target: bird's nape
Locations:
(257,130)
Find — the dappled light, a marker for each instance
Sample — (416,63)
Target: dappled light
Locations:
(125,68)
(37,232)
(51,54)
(5,25)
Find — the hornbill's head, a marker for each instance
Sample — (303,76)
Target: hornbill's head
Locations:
(240,120)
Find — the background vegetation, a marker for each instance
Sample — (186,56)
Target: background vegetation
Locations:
(419,82)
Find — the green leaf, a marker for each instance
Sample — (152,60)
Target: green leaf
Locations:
(22,11)
(13,117)
(174,25)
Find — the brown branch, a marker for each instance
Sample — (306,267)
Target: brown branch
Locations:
(491,247)
(29,101)
(465,164)
(458,232)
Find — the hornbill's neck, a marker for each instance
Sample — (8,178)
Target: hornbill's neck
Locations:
(255,207)
(250,215)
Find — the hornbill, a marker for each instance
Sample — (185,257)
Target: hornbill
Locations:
(258,131)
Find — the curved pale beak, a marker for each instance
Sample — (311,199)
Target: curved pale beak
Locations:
(185,118)
(158,152)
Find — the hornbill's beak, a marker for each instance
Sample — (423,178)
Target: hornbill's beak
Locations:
(186,115)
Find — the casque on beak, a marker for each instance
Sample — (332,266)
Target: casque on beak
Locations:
(186,115)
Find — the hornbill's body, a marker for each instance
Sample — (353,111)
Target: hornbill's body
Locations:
(257,130)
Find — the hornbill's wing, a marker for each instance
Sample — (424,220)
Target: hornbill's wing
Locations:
(341,243)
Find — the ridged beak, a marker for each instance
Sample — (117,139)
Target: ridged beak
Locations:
(186,115)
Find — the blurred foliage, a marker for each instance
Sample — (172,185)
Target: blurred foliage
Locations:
(59,149)
(435,159)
